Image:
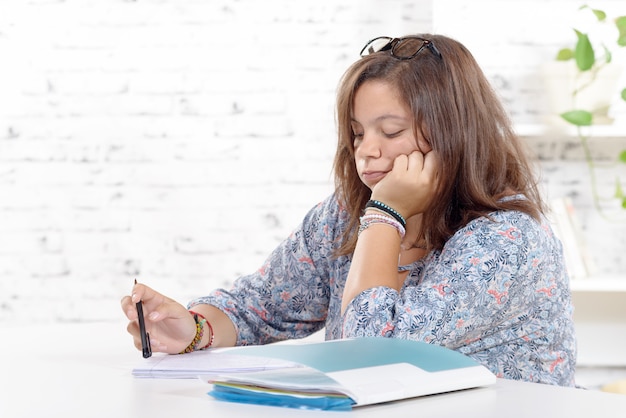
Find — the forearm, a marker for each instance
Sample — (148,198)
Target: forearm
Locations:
(374,263)
(288,296)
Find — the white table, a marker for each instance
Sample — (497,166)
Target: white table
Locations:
(84,370)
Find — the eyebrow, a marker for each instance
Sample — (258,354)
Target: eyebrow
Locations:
(385,117)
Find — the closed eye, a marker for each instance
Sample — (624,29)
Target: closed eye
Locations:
(393,134)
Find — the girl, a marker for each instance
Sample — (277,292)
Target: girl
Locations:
(435,232)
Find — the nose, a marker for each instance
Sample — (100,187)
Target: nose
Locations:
(368,147)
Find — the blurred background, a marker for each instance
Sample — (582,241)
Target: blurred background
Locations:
(179,142)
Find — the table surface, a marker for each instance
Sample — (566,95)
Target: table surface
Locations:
(68,370)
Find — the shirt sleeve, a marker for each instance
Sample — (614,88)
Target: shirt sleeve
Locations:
(495,281)
(288,296)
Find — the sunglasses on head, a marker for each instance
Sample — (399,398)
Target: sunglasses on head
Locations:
(401,48)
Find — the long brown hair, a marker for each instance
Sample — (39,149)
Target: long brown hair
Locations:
(459,114)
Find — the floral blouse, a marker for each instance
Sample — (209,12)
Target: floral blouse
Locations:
(498,292)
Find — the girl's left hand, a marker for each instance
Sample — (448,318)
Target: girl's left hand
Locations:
(410,186)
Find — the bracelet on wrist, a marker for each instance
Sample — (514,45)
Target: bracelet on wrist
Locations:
(200,321)
(370,219)
(382,207)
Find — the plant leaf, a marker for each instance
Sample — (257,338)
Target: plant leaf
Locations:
(622,156)
(578,117)
(600,15)
(619,193)
(565,54)
(620,22)
(584,53)
(623,94)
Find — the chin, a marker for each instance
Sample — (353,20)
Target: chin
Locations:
(366,184)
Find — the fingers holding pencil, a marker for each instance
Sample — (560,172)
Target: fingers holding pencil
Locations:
(167,325)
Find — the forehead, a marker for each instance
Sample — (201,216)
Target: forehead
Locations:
(378,86)
(376,98)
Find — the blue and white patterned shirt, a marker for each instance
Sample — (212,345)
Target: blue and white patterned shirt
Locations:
(498,292)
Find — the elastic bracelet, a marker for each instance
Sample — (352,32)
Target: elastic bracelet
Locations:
(193,346)
(377,204)
(369,219)
(367,224)
(208,324)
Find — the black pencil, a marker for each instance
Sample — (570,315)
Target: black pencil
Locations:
(145,337)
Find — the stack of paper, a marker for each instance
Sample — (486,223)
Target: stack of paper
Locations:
(300,387)
(214,361)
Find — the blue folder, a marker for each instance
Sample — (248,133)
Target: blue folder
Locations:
(341,374)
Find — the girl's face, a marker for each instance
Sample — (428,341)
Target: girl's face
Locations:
(382,127)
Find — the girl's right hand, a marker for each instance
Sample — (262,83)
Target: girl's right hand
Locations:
(170,325)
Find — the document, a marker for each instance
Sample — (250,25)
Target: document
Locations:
(208,362)
(330,375)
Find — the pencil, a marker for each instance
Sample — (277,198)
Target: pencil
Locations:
(145,337)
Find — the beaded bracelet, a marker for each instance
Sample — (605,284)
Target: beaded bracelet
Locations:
(210,343)
(369,219)
(193,346)
(377,204)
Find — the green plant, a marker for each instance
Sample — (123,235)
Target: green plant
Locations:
(588,62)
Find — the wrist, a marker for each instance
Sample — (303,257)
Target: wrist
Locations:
(204,335)
(208,336)
(372,217)
(225,331)
(381,206)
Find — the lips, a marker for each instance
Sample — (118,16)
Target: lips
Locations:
(373,176)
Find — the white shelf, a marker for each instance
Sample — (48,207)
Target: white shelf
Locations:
(600,320)
(599,284)
(617,130)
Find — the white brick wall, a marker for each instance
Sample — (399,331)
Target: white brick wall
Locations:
(178,142)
